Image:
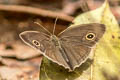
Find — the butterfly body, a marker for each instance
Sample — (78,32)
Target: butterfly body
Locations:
(57,46)
(70,48)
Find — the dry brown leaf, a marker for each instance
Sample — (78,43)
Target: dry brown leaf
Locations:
(17,70)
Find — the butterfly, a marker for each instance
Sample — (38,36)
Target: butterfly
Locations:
(70,48)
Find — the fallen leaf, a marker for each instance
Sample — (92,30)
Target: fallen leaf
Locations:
(20,70)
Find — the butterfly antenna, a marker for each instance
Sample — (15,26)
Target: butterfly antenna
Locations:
(55,25)
(42,26)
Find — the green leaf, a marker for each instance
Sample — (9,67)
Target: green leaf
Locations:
(106,55)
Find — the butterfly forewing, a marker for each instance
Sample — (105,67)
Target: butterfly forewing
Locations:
(79,33)
(35,39)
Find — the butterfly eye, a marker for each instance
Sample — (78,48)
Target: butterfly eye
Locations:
(90,36)
(35,42)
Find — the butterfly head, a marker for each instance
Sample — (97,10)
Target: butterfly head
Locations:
(55,40)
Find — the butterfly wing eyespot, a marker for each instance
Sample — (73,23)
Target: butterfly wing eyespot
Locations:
(90,36)
(36,43)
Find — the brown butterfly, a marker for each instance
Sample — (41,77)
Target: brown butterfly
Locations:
(70,48)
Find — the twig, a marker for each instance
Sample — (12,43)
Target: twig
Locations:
(36,11)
